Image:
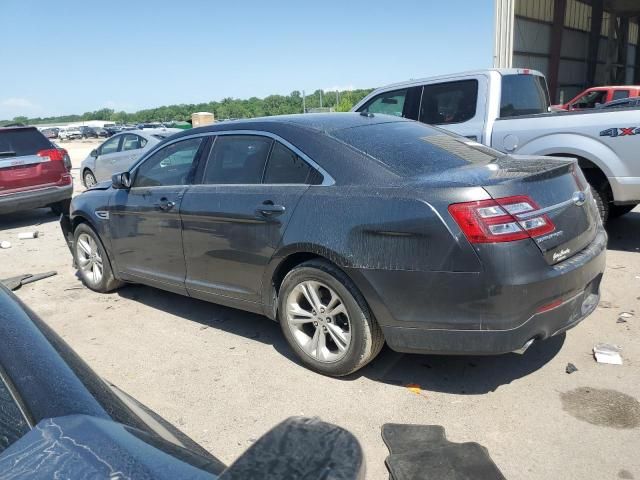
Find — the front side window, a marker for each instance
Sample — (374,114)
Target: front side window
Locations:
(285,166)
(110,146)
(618,94)
(12,423)
(389,103)
(591,99)
(451,102)
(132,142)
(168,166)
(237,159)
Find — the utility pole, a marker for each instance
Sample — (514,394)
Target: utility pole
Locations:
(320,98)
(304,104)
(337,98)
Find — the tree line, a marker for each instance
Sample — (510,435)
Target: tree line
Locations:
(341,101)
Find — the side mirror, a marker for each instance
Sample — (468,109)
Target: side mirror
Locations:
(94,153)
(301,448)
(121,180)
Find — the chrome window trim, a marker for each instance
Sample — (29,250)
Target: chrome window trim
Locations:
(327,179)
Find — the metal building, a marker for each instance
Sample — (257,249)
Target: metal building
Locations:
(576,43)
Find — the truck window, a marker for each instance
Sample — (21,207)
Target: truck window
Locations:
(523,95)
(450,102)
(400,103)
(590,100)
(618,94)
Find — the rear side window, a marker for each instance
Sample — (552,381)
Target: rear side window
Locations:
(389,103)
(412,149)
(450,102)
(618,94)
(132,142)
(523,95)
(285,166)
(237,159)
(12,423)
(22,141)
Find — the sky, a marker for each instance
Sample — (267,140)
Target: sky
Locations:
(77,56)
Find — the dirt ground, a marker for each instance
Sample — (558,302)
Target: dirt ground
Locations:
(225,377)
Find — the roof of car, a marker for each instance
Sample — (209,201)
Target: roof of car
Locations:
(320,122)
(151,132)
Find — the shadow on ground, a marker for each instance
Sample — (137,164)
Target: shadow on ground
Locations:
(27,218)
(624,233)
(450,374)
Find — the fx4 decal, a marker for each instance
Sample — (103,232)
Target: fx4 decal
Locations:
(620,132)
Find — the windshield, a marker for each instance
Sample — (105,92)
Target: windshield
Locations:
(523,95)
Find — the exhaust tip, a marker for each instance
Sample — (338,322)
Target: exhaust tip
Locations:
(524,348)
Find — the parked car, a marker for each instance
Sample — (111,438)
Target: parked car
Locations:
(592,97)
(50,133)
(622,103)
(69,133)
(507,109)
(33,172)
(119,153)
(102,132)
(60,420)
(113,130)
(145,126)
(88,132)
(352,230)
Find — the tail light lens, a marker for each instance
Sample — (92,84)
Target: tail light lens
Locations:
(501,220)
(57,155)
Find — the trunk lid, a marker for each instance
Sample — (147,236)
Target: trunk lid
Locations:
(21,168)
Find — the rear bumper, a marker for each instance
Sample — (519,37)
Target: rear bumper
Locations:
(625,189)
(484,313)
(15,202)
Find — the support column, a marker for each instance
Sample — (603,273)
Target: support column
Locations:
(503,21)
(559,8)
(623,43)
(594,41)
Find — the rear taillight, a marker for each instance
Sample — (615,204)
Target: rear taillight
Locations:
(57,155)
(501,220)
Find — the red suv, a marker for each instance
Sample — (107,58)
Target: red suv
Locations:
(33,172)
(594,96)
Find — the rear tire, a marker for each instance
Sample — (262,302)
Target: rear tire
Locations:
(616,211)
(92,260)
(602,202)
(61,207)
(327,342)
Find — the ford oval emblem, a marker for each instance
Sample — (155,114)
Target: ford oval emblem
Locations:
(579,198)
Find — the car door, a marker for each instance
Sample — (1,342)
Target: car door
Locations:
(130,150)
(232,223)
(145,226)
(107,154)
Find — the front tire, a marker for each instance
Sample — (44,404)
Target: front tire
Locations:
(88,178)
(92,261)
(326,320)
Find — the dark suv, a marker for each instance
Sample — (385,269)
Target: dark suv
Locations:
(33,172)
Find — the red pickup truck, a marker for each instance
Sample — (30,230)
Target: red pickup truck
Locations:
(33,172)
(594,96)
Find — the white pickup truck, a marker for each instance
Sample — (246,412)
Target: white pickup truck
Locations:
(508,109)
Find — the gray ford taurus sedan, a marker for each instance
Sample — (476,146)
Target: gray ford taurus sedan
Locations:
(352,230)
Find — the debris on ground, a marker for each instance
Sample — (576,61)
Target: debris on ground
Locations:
(14,283)
(571,368)
(5,244)
(28,235)
(622,318)
(607,353)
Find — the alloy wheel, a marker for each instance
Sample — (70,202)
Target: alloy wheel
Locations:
(89,259)
(319,321)
(89,179)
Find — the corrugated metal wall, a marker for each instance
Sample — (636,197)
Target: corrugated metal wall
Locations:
(532,43)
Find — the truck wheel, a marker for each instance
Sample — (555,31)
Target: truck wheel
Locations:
(616,211)
(602,202)
(326,321)
(92,261)
(61,207)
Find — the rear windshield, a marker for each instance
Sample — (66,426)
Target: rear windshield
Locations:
(22,141)
(412,148)
(523,95)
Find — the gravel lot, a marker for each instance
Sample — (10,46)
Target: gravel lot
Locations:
(225,377)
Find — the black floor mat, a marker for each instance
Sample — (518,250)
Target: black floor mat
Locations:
(422,452)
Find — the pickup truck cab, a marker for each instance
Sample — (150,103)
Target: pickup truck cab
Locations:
(592,97)
(509,110)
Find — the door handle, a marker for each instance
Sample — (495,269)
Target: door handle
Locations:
(165,204)
(268,209)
